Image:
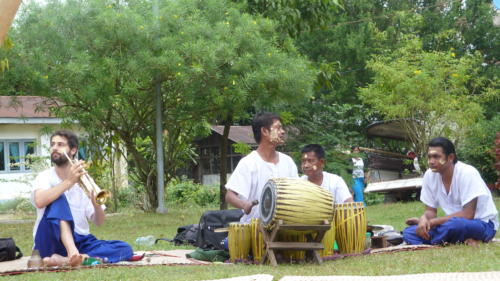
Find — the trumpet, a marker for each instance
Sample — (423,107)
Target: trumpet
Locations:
(88,185)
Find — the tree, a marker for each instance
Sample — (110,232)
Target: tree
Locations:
(427,92)
(102,60)
(294,16)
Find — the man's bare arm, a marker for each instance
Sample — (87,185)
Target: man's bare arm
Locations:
(467,212)
(233,199)
(44,197)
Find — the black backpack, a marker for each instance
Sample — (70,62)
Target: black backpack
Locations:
(211,220)
(186,234)
(8,250)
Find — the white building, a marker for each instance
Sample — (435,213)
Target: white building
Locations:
(25,128)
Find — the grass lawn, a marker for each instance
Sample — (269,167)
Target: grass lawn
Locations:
(128,226)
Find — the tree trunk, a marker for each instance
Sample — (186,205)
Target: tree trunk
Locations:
(223,162)
(113,174)
(151,200)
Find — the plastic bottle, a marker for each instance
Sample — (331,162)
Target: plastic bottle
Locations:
(90,261)
(368,240)
(145,240)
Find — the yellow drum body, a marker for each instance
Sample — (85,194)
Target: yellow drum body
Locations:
(328,241)
(239,238)
(295,201)
(258,245)
(350,227)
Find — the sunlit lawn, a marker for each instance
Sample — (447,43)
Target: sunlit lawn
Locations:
(129,225)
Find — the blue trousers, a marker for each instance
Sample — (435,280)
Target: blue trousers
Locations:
(455,230)
(48,236)
(357,186)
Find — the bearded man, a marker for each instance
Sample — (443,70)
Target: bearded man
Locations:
(61,233)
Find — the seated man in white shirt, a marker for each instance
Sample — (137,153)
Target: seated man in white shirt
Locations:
(61,232)
(244,188)
(313,161)
(470,214)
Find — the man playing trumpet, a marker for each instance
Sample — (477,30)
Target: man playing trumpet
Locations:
(61,232)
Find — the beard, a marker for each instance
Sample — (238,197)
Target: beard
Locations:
(58,159)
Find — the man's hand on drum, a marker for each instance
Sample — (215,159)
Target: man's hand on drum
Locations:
(247,207)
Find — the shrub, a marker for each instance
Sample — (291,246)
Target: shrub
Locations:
(17,205)
(373,198)
(477,149)
(25,207)
(128,198)
(186,191)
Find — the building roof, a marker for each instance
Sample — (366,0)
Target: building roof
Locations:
(25,107)
(242,134)
(391,129)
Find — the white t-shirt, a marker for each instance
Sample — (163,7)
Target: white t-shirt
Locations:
(466,185)
(358,169)
(80,205)
(252,173)
(336,185)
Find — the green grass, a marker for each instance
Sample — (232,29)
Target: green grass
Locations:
(130,225)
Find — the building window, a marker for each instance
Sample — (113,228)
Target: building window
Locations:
(15,155)
(210,160)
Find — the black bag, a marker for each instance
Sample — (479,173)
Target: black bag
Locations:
(211,220)
(8,250)
(186,234)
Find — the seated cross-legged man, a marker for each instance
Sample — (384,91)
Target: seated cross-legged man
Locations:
(61,232)
(470,214)
(313,161)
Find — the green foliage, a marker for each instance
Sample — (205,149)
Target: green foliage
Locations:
(24,206)
(373,198)
(185,191)
(334,126)
(428,92)
(104,60)
(9,205)
(339,163)
(128,198)
(4,48)
(478,148)
(241,148)
(366,29)
(295,16)
(20,206)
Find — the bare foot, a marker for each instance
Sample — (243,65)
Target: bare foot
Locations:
(55,260)
(412,221)
(75,260)
(472,242)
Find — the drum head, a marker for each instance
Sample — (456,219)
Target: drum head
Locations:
(268,202)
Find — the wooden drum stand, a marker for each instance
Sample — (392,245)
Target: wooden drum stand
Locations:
(312,246)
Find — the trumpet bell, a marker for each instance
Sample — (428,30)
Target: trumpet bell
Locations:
(102,197)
